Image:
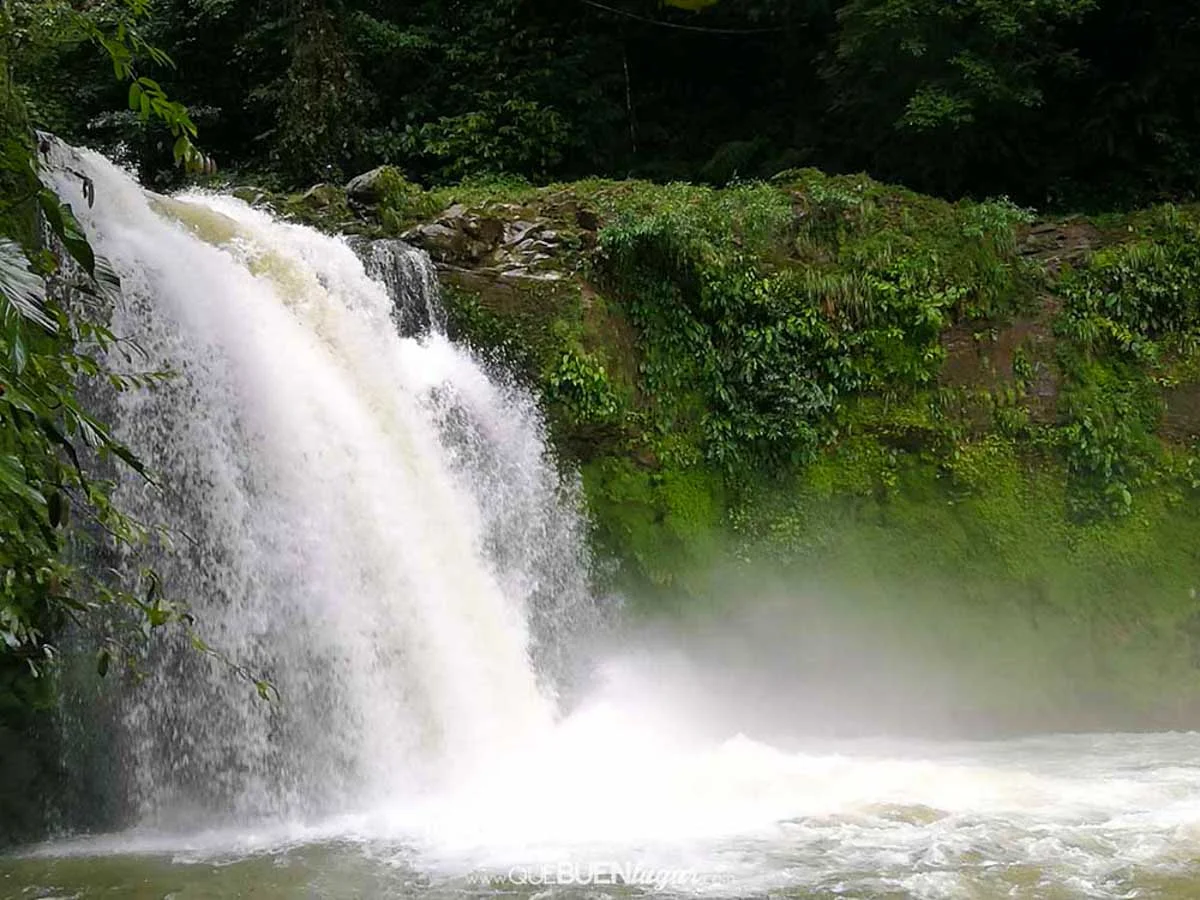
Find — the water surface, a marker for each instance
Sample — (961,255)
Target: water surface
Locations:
(1080,816)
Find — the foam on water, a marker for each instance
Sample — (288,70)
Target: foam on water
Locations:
(628,783)
(372,520)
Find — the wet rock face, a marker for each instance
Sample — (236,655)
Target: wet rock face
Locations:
(994,359)
(1056,244)
(503,248)
(442,242)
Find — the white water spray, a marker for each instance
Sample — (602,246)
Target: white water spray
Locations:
(371,519)
(368,518)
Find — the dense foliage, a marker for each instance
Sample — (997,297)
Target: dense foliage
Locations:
(1047,101)
(925,411)
(766,308)
(57,459)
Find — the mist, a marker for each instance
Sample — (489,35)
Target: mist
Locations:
(789,659)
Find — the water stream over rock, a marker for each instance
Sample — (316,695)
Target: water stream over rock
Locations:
(370,517)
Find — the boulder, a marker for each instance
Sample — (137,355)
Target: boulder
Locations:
(320,197)
(367,189)
(442,242)
(488,231)
(515,232)
(585,219)
(519,247)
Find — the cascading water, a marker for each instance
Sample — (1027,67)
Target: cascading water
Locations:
(491,432)
(411,281)
(368,519)
(367,516)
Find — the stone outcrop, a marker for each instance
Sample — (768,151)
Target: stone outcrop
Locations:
(493,244)
(1055,244)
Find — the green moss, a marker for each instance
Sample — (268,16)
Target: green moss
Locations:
(402,203)
(664,523)
(981,550)
(754,379)
(321,206)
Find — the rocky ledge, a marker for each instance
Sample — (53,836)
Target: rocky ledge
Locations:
(502,243)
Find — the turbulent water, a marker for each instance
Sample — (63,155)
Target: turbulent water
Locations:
(369,517)
(359,512)
(618,802)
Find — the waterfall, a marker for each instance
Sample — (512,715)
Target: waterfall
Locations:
(359,510)
(411,281)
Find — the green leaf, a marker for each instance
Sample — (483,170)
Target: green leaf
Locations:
(56,506)
(51,431)
(107,278)
(126,455)
(17,352)
(14,477)
(65,226)
(23,290)
(266,690)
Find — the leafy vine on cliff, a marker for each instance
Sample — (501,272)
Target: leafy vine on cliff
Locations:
(761,308)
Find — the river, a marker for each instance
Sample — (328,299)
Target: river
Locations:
(604,811)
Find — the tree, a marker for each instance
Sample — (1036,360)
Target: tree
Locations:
(942,93)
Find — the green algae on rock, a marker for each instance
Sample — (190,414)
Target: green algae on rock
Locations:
(944,407)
